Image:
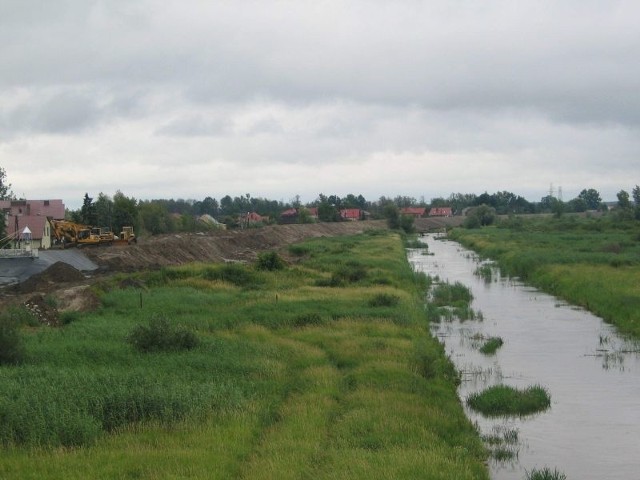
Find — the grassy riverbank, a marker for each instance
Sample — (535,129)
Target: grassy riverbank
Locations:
(590,262)
(324,370)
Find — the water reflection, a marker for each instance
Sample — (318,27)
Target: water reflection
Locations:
(592,429)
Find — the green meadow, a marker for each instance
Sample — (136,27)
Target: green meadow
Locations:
(323,368)
(590,262)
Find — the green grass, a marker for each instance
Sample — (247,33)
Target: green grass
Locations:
(503,400)
(545,474)
(590,262)
(288,379)
(491,345)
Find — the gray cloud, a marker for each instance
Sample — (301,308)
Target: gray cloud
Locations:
(328,85)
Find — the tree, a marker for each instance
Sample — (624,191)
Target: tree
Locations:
(577,205)
(591,198)
(154,217)
(5,188)
(392,214)
(104,210)
(480,216)
(636,195)
(636,199)
(623,199)
(125,212)
(88,211)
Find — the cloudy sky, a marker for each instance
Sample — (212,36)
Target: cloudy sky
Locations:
(188,99)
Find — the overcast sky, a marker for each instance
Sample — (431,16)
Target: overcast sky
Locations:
(188,99)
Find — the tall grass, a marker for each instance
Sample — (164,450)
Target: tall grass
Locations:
(288,380)
(590,262)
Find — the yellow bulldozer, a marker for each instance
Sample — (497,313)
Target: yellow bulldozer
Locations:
(68,234)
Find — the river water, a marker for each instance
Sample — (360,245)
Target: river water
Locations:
(592,430)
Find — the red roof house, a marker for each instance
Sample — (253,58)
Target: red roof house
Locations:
(441,212)
(351,214)
(416,212)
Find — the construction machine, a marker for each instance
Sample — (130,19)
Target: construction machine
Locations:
(126,236)
(69,234)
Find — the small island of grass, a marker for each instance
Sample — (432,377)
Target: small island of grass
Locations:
(505,400)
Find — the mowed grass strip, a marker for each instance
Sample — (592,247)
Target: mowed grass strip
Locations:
(290,378)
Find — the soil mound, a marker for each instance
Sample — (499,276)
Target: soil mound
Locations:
(219,246)
(57,273)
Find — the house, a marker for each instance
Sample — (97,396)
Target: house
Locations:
(290,215)
(351,214)
(441,212)
(252,218)
(415,212)
(31,216)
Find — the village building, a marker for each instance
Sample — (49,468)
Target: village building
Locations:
(441,212)
(27,221)
(415,212)
(351,214)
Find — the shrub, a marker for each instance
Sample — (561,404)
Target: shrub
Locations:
(235,274)
(299,250)
(270,261)
(384,300)
(12,349)
(161,335)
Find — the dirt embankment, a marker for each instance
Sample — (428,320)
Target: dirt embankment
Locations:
(70,290)
(219,246)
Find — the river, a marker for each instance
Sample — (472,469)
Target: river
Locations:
(592,430)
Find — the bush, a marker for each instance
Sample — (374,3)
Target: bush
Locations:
(270,261)
(12,349)
(160,335)
(235,274)
(384,300)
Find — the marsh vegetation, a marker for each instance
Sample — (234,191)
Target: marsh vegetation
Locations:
(323,368)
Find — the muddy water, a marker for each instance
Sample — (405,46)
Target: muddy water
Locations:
(592,430)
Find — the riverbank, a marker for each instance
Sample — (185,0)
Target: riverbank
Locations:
(590,262)
(322,369)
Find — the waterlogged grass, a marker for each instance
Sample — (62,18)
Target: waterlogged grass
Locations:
(503,400)
(450,301)
(287,378)
(545,474)
(491,345)
(592,262)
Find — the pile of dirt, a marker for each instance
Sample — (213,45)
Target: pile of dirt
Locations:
(50,278)
(44,312)
(218,246)
(80,298)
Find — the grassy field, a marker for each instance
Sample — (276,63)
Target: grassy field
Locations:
(322,370)
(590,262)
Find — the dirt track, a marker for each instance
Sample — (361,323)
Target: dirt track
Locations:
(219,246)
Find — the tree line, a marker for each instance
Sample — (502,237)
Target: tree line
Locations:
(180,215)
